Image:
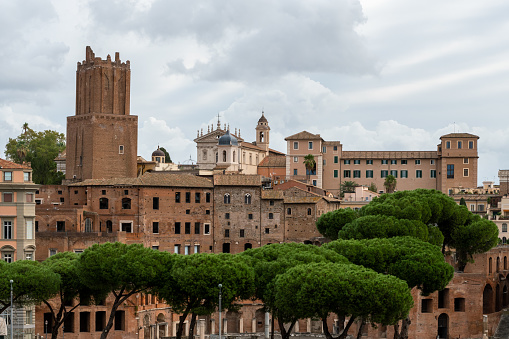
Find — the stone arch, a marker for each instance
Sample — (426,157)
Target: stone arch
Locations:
(227,198)
(89,225)
(443,326)
(109,226)
(103,203)
(126,203)
(146,326)
(260,320)
(160,318)
(247,198)
(487,299)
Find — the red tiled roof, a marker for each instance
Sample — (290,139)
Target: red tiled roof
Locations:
(12,165)
(164,179)
(459,135)
(273,161)
(237,180)
(304,135)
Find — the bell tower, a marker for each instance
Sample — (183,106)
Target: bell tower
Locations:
(102,136)
(262,134)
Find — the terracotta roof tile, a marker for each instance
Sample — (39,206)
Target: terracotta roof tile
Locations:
(272,194)
(237,180)
(164,179)
(303,135)
(12,165)
(459,135)
(273,161)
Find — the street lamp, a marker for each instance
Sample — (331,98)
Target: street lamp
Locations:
(220,286)
(46,328)
(12,312)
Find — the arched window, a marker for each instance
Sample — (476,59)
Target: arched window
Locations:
(103,203)
(505,263)
(261,136)
(216,157)
(224,156)
(247,246)
(289,211)
(244,157)
(490,266)
(498,265)
(309,211)
(126,203)
(250,159)
(227,198)
(233,159)
(247,198)
(88,225)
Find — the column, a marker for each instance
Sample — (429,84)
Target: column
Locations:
(186,328)
(225,326)
(267,325)
(253,325)
(174,328)
(308,325)
(296,327)
(212,326)
(241,325)
(202,328)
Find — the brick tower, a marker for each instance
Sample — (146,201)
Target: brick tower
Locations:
(102,137)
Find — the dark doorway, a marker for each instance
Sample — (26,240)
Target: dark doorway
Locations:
(443,323)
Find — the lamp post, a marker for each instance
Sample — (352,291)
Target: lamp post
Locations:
(220,286)
(12,312)
(46,328)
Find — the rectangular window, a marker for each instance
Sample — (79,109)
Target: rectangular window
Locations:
(267,230)
(459,304)
(324,149)
(460,144)
(465,160)
(346,162)
(197,197)
(394,162)
(472,207)
(346,174)
(335,173)
(448,144)
(187,228)
(207,197)
(26,176)
(196,228)
(196,248)
(404,173)
(324,162)
(295,145)
(426,305)
(417,161)
(369,174)
(30,229)
(226,233)
(121,149)
(356,174)
(84,321)
(369,162)
(385,162)
(295,159)
(60,226)
(155,227)
(176,249)
(7,176)
(177,197)
(227,215)
(188,197)
(206,228)
(357,162)
(335,148)
(432,161)
(177,228)
(250,216)
(155,203)
(310,145)
(450,171)
(433,173)
(480,208)
(7,229)
(186,249)
(443,298)
(294,171)
(52,252)
(29,197)
(404,162)
(471,144)
(271,215)
(127,227)
(241,234)
(7,197)
(394,173)
(289,211)
(336,159)
(418,173)
(384,173)
(271,202)
(465,172)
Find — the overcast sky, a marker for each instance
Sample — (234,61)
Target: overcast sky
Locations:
(376,75)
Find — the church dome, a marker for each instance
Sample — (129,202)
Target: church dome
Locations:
(158,153)
(228,139)
(262,119)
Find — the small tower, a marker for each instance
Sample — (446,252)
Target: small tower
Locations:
(262,134)
(158,156)
(228,152)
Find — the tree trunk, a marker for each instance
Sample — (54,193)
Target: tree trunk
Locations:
(119,299)
(396,330)
(326,329)
(180,327)
(343,330)
(284,333)
(272,326)
(192,325)
(405,323)
(361,327)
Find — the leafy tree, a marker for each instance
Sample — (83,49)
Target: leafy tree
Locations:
(330,223)
(463,202)
(191,286)
(122,270)
(318,289)
(309,162)
(167,158)
(272,260)
(65,264)
(32,283)
(420,264)
(347,187)
(39,149)
(372,187)
(390,183)
(382,226)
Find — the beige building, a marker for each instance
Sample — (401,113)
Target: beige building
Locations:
(453,164)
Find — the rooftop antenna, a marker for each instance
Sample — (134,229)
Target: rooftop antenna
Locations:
(218,122)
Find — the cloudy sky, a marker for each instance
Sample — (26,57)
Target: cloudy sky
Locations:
(376,75)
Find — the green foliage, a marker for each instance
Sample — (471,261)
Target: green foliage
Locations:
(40,149)
(318,289)
(167,158)
(390,183)
(372,187)
(419,263)
(32,283)
(330,223)
(382,226)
